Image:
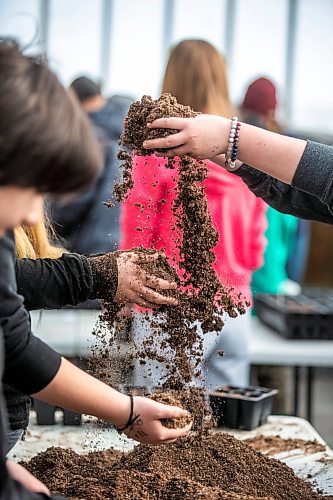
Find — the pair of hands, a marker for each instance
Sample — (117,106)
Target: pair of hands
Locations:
(147,426)
(137,286)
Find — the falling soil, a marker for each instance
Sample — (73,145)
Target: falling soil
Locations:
(216,466)
(271,445)
(175,339)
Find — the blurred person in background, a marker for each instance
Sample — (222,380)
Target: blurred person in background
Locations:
(259,108)
(196,75)
(86,225)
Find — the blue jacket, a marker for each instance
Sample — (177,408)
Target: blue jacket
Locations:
(86,224)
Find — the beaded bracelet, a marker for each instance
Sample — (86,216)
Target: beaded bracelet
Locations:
(231,155)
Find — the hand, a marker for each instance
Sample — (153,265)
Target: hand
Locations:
(202,137)
(137,286)
(148,428)
(24,477)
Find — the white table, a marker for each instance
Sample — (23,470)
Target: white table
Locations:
(90,437)
(69,332)
(270,348)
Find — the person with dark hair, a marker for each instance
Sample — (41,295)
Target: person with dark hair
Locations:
(85,224)
(46,147)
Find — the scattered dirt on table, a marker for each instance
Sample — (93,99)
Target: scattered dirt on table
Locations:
(216,466)
(271,445)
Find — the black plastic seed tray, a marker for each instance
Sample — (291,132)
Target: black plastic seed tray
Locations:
(45,414)
(241,407)
(308,316)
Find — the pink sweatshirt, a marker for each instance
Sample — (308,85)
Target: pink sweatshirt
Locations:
(237,214)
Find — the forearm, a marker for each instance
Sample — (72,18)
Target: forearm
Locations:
(74,389)
(54,283)
(276,155)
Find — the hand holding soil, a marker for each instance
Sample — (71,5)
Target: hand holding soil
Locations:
(148,417)
(202,137)
(136,285)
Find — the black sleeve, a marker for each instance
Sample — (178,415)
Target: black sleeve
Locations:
(54,283)
(30,365)
(303,199)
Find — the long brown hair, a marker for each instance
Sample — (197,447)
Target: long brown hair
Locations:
(196,75)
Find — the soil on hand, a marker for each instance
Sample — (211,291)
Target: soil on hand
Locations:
(170,399)
(216,466)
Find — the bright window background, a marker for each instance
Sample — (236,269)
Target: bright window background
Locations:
(312,105)
(136,47)
(20,19)
(141,34)
(200,19)
(74,43)
(259,44)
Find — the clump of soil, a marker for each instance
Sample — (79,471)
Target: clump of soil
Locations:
(203,299)
(271,445)
(168,398)
(216,466)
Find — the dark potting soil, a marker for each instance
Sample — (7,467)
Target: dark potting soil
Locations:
(215,466)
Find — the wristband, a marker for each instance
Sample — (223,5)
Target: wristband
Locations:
(130,418)
(231,155)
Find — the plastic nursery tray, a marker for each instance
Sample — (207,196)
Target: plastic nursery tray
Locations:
(241,407)
(306,316)
(45,414)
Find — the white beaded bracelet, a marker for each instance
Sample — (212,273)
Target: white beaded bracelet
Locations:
(231,155)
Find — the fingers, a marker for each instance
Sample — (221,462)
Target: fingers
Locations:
(172,141)
(159,283)
(169,122)
(178,151)
(156,298)
(169,411)
(172,435)
(141,257)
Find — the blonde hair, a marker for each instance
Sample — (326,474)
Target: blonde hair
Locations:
(196,74)
(33,242)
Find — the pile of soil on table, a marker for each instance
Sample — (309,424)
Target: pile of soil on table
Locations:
(176,341)
(216,466)
(271,445)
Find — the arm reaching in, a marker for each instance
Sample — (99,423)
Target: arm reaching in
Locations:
(206,137)
(74,389)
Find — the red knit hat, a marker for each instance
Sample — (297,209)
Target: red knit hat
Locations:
(260,96)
